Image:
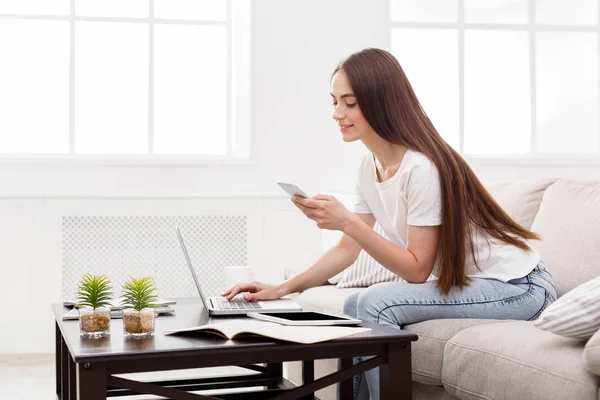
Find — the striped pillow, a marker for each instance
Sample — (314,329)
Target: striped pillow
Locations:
(576,314)
(366,271)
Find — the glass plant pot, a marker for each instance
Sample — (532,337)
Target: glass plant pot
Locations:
(94,322)
(138,324)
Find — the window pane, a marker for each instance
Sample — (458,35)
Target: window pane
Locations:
(497,100)
(429,58)
(190,90)
(50,7)
(424,10)
(240,79)
(112,8)
(213,10)
(572,12)
(111,87)
(496,11)
(34,77)
(567,92)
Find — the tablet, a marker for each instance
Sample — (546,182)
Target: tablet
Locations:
(306,318)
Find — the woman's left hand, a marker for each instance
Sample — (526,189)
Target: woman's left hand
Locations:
(326,211)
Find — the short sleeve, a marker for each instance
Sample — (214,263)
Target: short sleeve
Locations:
(360,205)
(424,197)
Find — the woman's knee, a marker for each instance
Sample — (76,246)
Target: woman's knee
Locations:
(369,303)
(350,305)
(380,303)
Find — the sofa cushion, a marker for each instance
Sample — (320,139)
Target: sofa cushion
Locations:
(591,354)
(428,351)
(576,314)
(569,223)
(326,296)
(520,199)
(421,391)
(515,360)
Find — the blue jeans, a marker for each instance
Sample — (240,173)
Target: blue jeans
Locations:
(401,303)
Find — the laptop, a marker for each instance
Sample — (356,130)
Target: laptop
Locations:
(222,306)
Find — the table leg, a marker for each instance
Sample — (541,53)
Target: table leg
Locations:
(57,359)
(275,370)
(72,368)
(395,377)
(346,390)
(64,370)
(92,381)
(308,375)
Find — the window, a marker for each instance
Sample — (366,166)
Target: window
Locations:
(505,77)
(147,78)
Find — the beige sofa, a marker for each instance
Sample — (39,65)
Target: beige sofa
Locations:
(500,359)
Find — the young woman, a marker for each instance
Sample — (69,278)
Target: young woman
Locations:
(439,218)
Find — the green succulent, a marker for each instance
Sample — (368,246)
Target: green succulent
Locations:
(94,291)
(139,293)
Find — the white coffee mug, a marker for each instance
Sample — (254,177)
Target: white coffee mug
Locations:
(237,274)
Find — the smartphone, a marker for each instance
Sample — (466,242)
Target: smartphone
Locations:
(292,189)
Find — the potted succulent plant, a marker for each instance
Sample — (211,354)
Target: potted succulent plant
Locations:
(139,295)
(94,293)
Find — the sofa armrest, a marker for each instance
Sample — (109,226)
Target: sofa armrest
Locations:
(591,354)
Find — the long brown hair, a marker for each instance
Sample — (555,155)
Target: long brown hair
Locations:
(391,107)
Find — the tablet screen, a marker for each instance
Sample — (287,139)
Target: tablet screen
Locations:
(305,316)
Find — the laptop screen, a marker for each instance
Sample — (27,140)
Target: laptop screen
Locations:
(189,262)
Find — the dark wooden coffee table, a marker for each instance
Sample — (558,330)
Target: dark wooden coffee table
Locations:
(86,368)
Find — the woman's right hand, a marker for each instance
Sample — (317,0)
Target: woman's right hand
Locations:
(256,291)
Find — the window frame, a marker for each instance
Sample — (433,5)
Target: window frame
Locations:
(239,139)
(533,157)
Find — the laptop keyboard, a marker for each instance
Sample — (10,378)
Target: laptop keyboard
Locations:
(241,304)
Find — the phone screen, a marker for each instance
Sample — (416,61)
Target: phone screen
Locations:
(305,316)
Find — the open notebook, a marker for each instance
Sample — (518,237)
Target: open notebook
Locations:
(248,328)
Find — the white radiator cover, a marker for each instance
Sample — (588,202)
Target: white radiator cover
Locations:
(122,246)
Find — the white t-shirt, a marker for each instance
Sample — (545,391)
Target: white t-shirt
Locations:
(413,197)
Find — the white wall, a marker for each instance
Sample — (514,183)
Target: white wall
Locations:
(295,46)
